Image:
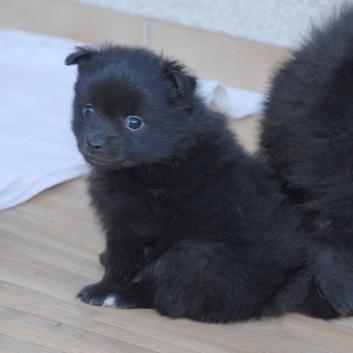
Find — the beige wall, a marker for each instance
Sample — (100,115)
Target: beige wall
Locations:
(275,22)
(233,61)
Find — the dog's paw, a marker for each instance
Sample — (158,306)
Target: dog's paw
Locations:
(111,300)
(93,294)
(96,294)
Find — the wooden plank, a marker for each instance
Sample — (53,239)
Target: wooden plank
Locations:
(38,264)
(21,238)
(54,218)
(51,228)
(309,343)
(44,319)
(11,344)
(57,253)
(62,207)
(50,341)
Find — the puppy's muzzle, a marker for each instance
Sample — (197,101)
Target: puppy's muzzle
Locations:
(95,145)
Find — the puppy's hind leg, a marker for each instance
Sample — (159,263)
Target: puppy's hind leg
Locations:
(334,273)
(202,282)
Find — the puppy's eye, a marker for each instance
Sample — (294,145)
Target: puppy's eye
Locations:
(134,123)
(88,109)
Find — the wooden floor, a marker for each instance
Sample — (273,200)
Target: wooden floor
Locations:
(49,251)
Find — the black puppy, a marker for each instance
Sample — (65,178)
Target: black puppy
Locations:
(194,227)
(307,138)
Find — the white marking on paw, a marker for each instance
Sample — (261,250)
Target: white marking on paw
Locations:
(110,301)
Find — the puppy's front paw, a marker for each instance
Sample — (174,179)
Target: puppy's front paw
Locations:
(96,294)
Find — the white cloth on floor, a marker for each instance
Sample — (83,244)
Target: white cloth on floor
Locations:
(236,103)
(37,147)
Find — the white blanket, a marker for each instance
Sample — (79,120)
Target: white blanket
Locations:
(37,147)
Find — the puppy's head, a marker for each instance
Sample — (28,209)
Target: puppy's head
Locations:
(131,107)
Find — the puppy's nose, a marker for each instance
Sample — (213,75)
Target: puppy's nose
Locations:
(95,145)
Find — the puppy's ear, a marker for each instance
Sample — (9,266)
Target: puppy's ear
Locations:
(81,53)
(184,83)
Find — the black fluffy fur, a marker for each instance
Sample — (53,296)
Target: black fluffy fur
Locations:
(307,139)
(194,226)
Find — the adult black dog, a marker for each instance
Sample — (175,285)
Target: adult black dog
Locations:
(307,138)
(194,226)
